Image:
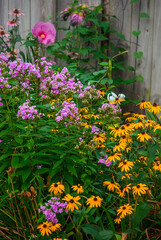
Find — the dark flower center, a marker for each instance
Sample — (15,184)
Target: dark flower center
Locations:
(138,186)
(116,128)
(112,181)
(2,32)
(78,185)
(143,101)
(154,105)
(143,133)
(95,199)
(71,201)
(13,21)
(16,11)
(140,120)
(124,208)
(125,163)
(123,127)
(117,144)
(55,185)
(44,226)
(112,154)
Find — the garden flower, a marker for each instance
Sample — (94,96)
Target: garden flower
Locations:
(126,165)
(56,188)
(124,210)
(66,13)
(127,175)
(119,146)
(45,31)
(111,186)
(112,97)
(78,188)
(72,202)
(127,187)
(121,192)
(143,136)
(139,124)
(55,227)
(13,22)
(117,220)
(154,108)
(76,19)
(16,12)
(139,189)
(144,104)
(45,228)
(59,239)
(138,115)
(114,156)
(94,201)
(157,165)
(99,138)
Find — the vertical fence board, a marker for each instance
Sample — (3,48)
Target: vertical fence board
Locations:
(3,12)
(156,61)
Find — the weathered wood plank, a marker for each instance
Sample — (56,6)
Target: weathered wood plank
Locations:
(156,56)
(4,12)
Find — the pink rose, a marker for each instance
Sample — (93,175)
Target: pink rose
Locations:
(45,31)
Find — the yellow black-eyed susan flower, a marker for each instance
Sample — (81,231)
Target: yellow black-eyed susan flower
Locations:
(139,124)
(126,176)
(154,108)
(100,137)
(78,188)
(139,189)
(127,188)
(144,104)
(117,220)
(126,165)
(121,193)
(143,136)
(125,210)
(56,188)
(72,202)
(119,146)
(94,201)
(55,226)
(111,186)
(114,156)
(45,228)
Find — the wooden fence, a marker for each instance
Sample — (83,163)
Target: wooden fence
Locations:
(128,20)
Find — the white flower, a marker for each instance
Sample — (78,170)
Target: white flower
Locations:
(112,96)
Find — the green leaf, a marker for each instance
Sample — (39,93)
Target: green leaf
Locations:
(15,162)
(138,55)
(130,68)
(105,235)
(136,33)
(144,15)
(30,43)
(118,237)
(68,177)
(72,170)
(26,174)
(19,140)
(140,78)
(103,63)
(91,230)
(131,80)
(106,80)
(142,211)
(133,1)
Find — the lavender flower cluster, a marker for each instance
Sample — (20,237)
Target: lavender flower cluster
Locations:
(27,112)
(104,161)
(52,208)
(69,110)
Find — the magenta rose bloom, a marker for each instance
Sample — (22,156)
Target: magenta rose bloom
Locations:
(45,31)
(76,19)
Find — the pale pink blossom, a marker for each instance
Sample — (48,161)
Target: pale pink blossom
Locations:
(76,19)
(16,12)
(45,31)
(13,22)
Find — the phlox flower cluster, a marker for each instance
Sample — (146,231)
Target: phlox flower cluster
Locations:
(104,160)
(69,110)
(4,83)
(109,108)
(52,208)
(27,112)
(89,92)
(1,104)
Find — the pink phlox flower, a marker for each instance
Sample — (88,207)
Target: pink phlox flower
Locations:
(45,31)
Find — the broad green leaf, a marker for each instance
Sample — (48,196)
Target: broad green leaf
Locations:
(72,170)
(136,33)
(68,177)
(19,139)
(144,15)
(106,80)
(25,174)
(142,211)
(105,235)
(138,55)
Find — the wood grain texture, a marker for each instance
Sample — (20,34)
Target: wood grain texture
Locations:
(4,12)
